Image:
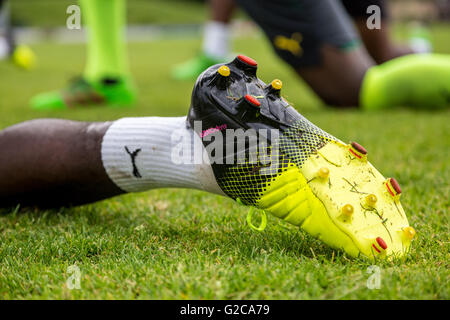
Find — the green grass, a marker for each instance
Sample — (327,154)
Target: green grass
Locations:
(188,244)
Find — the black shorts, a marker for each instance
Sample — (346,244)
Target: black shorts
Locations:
(297,29)
(358,9)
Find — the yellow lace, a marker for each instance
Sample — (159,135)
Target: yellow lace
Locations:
(263,224)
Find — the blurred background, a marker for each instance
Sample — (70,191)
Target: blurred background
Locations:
(161,34)
(38,20)
(47,13)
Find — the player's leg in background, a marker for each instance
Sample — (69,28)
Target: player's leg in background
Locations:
(320,42)
(337,81)
(216,41)
(379,42)
(421,81)
(322,46)
(106,78)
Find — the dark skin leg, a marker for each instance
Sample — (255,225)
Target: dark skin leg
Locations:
(52,163)
(379,43)
(221,10)
(338,79)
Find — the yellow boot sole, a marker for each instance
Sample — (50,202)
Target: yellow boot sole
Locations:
(338,197)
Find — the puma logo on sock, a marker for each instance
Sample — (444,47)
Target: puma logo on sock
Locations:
(133,156)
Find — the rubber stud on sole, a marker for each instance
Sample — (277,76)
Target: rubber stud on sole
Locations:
(247,60)
(358,150)
(381,243)
(252,100)
(323,173)
(224,71)
(277,84)
(393,187)
(371,200)
(409,232)
(347,210)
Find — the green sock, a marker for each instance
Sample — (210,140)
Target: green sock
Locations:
(106,49)
(417,80)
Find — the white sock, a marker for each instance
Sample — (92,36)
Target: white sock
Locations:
(156,146)
(4,47)
(216,39)
(4,23)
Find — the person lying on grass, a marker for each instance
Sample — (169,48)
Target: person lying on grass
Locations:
(241,139)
